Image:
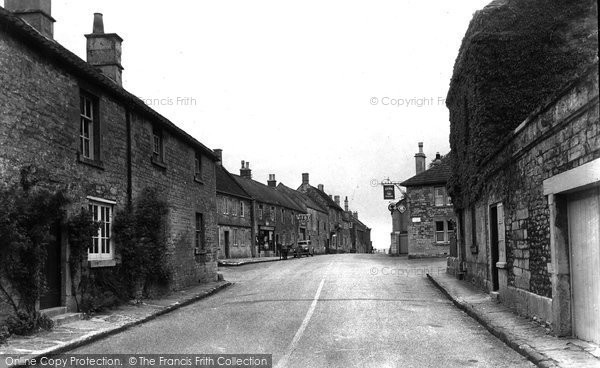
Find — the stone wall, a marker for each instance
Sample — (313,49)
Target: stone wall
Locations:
(515,54)
(186,194)
(234,221)
(40,126)
(421,232)
(560,135)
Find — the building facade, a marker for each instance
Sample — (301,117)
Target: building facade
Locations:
(338,240)
(235,217)
(526,158)
(275,215)
(86,135)
(313,226)
(532,237)
(432,220)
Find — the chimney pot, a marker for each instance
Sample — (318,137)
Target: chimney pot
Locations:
(305,177)
(245,171)
(98,24)
(321,187)
(272,182)
(346,204)
(420,159)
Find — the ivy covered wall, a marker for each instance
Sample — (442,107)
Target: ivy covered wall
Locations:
(514,55)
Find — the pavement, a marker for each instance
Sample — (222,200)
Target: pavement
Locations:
(351,310)
(234,262)
(76,333)
(526,336)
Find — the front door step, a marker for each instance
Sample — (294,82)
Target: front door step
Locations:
(53,312)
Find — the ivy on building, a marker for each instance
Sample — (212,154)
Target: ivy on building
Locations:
(30,216)
(142,242)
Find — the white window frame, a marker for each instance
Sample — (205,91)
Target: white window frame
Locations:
(242,209)
(446,231)
(103,248)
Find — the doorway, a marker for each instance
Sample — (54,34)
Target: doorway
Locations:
(51,298)
(226,241)
(583,212)
(494,243)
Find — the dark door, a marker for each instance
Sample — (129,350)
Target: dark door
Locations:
(226,239)
(51,298)
(494,245)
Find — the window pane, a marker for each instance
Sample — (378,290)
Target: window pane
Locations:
(439,237)
(450,226)
(439,226)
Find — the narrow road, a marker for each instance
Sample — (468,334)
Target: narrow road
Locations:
(326,311)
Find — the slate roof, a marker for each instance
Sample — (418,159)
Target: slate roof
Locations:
(438,174)
(226,184)
(264,193)
(63,58)
(300,198)
(330,202)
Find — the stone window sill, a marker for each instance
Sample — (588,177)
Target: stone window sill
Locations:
(198,179)
(158,163)
(102,263)
(90,162)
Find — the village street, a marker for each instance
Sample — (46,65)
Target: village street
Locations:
(351,310)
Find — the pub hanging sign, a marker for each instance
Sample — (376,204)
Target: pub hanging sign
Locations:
(389,192)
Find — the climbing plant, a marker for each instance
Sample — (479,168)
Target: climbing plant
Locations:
(30,215)
(141,239)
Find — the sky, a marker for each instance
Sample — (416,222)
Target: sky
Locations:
(342,90)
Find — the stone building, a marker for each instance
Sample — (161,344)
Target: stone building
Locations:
(360,234)
(432,219)
(74,121)
(400,221)
(275,215)
(526,161)
(235,217)
(314,227)
(338,240)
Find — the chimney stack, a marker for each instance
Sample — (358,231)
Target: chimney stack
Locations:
(438,159)
(337,200)
(272,182)
(219,153)
(322,188)
(355,215)
(104,51)
(305,179)
(36,13)
(245,171)
(346,204)
(420,159)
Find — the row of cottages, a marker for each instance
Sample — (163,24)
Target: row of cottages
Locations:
(256,220)
(102,145)
(423,221)
(526,162)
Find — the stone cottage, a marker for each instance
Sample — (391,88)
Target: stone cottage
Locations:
(429,208)
(235,215)
(100,144)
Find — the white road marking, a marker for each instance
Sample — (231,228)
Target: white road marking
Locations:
(286,357)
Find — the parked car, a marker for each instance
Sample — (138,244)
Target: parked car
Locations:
(304,248)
